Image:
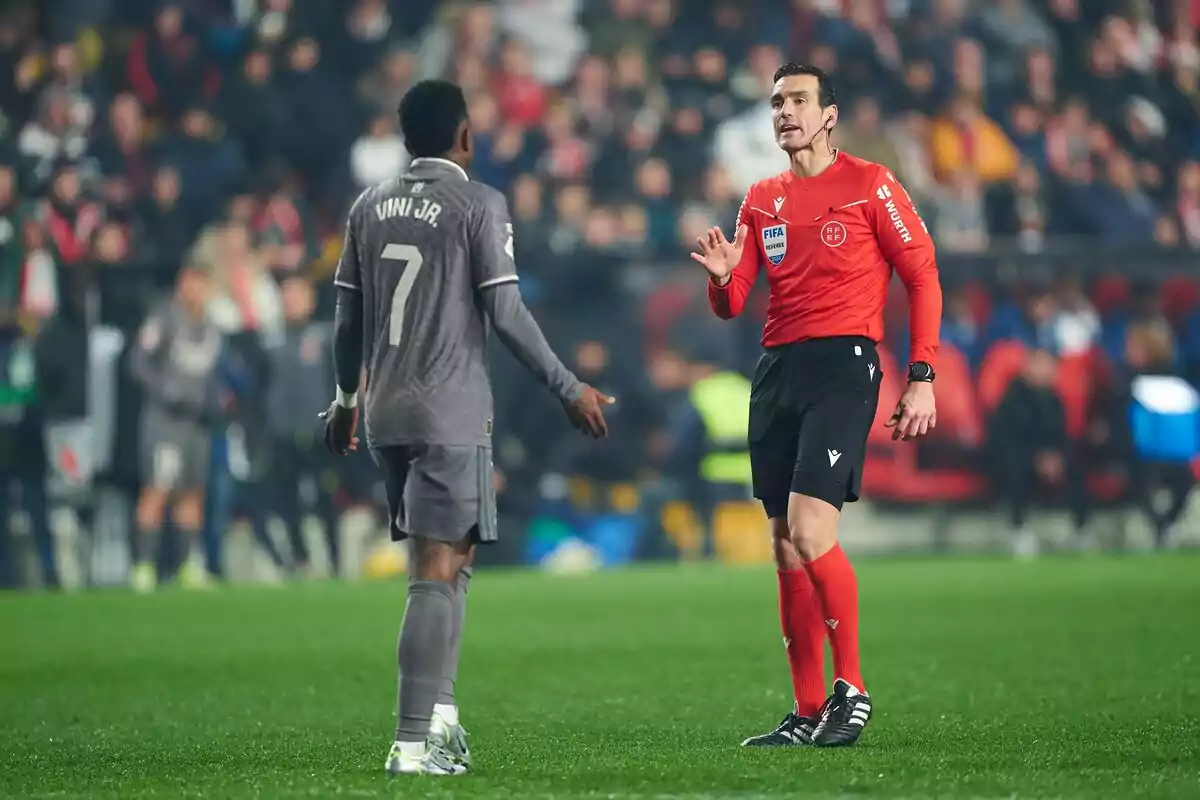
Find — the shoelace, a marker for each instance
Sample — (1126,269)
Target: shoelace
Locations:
(841,711)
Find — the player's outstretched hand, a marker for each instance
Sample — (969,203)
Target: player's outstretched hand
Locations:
(916,413)
(718,255)
(340,426)
(586,412)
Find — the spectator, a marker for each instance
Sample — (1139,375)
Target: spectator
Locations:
(1028,450)
(551,31)
(966,138)
(1068,144)
(80,91)
(382,89)
(1149,374)
(1041,80)
(500,148)
(318,108)
(464,31)
(124,151)
(163,214)
(255,110)
(654,186)
(379,154)
(1011,28)
(69,219)
(52,135)
(282,229)
(623,24)
(862,135)
(961,221)
(299,364)
(565,156)
(245,297)
(745,146)
(1023,210)
(1027,135)
(1121,211)
(1076,323)
(166,66)
(1187,206)
(209,163)
(363,39)
(919,92)
(911,140)
(592,97)
(275,22)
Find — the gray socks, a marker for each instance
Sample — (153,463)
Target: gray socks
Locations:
(450,668)
(145,546)
(422,654)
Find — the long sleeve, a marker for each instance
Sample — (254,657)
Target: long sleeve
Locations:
(146,359)
(729,300)
(520,333)
(906,244)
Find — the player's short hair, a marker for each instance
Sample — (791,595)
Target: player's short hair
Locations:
(430,114)
(826,93)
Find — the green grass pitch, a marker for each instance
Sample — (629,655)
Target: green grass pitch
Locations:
(1062,678)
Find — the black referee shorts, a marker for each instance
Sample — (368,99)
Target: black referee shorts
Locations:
(811,408)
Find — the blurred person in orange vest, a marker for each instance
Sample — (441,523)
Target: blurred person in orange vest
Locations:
(964,137)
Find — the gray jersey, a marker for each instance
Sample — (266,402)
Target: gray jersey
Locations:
(175,360)
(420,248)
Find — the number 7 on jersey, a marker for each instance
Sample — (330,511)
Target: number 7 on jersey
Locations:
(412,259)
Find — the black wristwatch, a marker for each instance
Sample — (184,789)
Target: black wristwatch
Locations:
(920,372)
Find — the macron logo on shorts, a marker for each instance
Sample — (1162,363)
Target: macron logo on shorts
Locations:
(834,455)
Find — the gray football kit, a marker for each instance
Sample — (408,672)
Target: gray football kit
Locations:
(432,254)
(175,361)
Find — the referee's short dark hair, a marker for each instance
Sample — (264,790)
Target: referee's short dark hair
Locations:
(826,93)
(430,115)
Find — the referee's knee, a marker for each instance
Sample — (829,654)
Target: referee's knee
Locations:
(812,523)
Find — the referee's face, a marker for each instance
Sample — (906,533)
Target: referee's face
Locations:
(796,111)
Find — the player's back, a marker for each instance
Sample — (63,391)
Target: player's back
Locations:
(424,328)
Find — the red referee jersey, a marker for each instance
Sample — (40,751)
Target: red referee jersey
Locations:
(829,244)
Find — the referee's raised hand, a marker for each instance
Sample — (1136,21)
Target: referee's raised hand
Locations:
(718,255)
(916,413)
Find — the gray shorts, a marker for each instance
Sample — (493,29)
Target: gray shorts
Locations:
(174,455)
(439,492)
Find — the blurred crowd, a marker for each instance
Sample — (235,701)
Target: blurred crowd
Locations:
(138,137)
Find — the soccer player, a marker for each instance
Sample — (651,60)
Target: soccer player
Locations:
(427,257)
(175,360)
(828,231)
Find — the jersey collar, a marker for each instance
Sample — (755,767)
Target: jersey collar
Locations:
(441,162)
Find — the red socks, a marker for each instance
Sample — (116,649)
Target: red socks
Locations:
(835,584)
(804,638)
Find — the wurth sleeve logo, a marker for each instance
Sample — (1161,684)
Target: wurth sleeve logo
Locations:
(889,203)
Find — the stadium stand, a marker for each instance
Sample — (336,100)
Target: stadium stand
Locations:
(1041,139)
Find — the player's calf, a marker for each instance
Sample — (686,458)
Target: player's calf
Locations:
(151,509)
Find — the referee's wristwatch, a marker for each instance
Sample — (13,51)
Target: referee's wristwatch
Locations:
(920,372)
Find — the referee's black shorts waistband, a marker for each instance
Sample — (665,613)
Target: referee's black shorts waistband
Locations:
(822,344)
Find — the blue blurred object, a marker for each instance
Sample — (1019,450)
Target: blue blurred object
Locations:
(1165,418)
(545,534)
(615,537)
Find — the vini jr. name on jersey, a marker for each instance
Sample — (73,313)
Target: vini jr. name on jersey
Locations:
(422,209)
